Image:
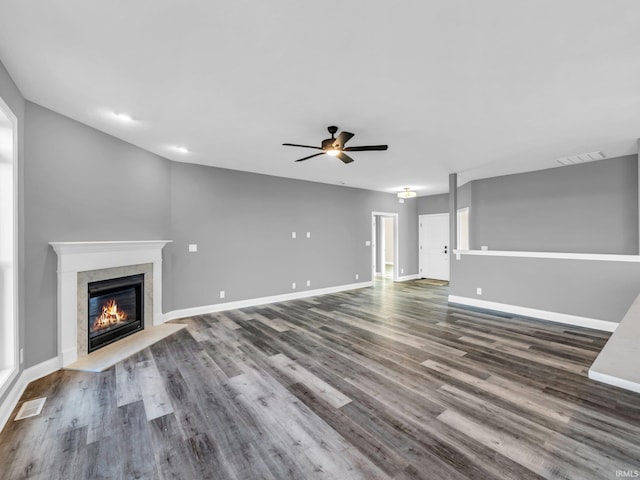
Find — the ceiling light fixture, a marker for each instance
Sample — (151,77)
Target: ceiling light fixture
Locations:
(333,153)
(181,149)
(407,193)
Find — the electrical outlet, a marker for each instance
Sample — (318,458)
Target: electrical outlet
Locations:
(478,291)
(402,270)
(293,234)
(401,200)
(484,248)
(193,247)
(222,293)
(308,283)
(308,234)
(357,276)
(293,286)
(367,243)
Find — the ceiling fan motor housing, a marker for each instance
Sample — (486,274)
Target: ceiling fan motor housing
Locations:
(327,143)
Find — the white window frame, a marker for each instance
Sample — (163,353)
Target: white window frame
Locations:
(9,339)
(462,243)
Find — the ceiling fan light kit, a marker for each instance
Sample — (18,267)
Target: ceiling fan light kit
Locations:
(407,193)
(335,146)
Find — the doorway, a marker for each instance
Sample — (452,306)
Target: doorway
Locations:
(384,246)
(433,233)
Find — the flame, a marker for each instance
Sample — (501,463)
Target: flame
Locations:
(111,315)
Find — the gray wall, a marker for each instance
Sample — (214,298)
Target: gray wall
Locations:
(592,289)
(244,239)
(388,239)
(15,101)
(80,185)
(432,204)
(378,243)
(586,208)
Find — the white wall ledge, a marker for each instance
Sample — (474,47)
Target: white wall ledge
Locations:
(556,255)
(617,362)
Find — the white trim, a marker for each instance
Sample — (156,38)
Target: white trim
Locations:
(251,302)
(10,372)
(585,322)
(74,257)
(405,278)
(615,381)
(459,212)
(6,377)
(421,240)
(396,243)
(29,375)
(558,255)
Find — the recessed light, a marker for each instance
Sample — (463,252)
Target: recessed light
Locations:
(123,117)
(180,149)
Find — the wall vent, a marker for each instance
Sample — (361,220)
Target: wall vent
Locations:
(582,158)
(30,408)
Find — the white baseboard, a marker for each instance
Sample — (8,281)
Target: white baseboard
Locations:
(251,302)
(408,277)
(578,321)
(27,376)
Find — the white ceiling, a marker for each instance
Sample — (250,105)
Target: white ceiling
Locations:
(481,88)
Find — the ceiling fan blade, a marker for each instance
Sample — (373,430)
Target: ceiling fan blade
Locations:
(310,156)
(298,145)
(366,148)
(344,157)
(343,138)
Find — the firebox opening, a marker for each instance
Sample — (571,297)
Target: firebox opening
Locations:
(115,309)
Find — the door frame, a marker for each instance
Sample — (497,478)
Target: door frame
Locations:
(420,242)
(396,244)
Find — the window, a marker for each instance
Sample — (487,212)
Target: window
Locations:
(8,248)
(463,228)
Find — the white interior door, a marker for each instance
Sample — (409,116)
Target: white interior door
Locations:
(434,246)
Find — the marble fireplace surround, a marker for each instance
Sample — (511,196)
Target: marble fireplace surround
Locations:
(77,257)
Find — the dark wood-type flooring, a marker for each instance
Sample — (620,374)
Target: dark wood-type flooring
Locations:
(377,383)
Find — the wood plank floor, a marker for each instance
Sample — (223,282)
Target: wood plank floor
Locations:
(387,382)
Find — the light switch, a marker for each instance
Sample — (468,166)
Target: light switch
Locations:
(293,234)
(308,234)
(367,243)
(193,247)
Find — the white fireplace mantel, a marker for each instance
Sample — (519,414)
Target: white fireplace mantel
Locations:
(74,257)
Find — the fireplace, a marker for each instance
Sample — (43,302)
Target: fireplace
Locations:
(115,309)
(81,263)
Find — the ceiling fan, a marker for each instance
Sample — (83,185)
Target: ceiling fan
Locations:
(334,146)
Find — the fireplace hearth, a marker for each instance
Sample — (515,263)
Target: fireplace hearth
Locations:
(115,309)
